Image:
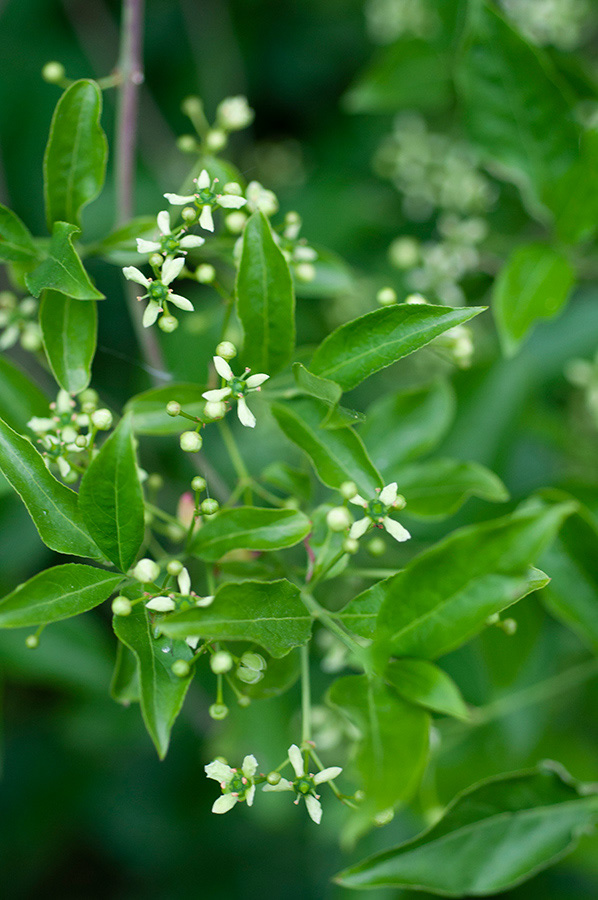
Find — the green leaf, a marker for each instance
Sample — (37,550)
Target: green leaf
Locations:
(360,615)
(401,426)
(573,198)
(111,500)
(572,561)
(267,612)
(493,836)
(75,157)
(409,73)
(249,528)
(321,388)
(20,398)
(534,284)
(69,330)
(148,410)
(161,691)
(337,455)
(16,243)
(444,596)
(363,346)
(57,593)
(437,488)
(51,505)
(393,749)
(424,684)
(512,102)
(62,270)
(265,299)
(124,686)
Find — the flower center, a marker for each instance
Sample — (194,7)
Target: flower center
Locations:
(169,244)
(304,785)
(377,509)
(206,196)
(239,785)
(158,291)
(238,387)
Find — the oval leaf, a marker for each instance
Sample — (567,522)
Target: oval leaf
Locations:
(437,488)
(249,528)
(267,612)
(16,243)
(69,330)
(20,398)
(363,346)
(57,593)
(421,682)
(111,500)
(62,270)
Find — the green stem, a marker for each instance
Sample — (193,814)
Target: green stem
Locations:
(236,459)
(305,696)
(326,619)
(338,794)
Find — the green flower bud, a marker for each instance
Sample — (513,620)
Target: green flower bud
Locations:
(216,139)
(214,409)
(509,626)
(173,408)
(218,711)
(209,506)
(53,72)
(226,349)
(88,396)
(192,106)
(273,777)
(235,221)
(248,676)
(190,441)
(205,273)
(102,419)
(31,339)
(348,489)
(146,571)
(244,700)
(32,641)
(70,477)
(174,567)
(198,484)
(350,545)
(187,143)
(221,662)
(121,606)
(188,214)
(180,668)
(338,519)
(253,661)
(81,441)
(376,547)
(168,324)
(156,260)
(386,296)
(155,481)
(305,272)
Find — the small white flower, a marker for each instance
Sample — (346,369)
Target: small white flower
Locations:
(204,601)
(206,199)
(171,242)
(258,197)
(158,290)
(234,113)
(161,604)
(305,784)
(237,389)
(184,581)
(377,513)
(236,784)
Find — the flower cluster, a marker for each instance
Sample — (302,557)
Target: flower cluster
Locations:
(18,322)
(237,388)
(560,23)
(158,291)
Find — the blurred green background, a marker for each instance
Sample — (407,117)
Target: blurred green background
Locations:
(86,809)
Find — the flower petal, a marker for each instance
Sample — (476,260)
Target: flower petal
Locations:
(223,368)
(231,201)
(184,580)
(296,760)
(314,808)
(224,803)
(163,219)
(203,180)
(283,785)
(179,200)
(171,269)
(388,494)
(192,642)
(204,601)
(245,415)
(219,394)
(181,302)
(147,246)
(205,220)
(328,774)
(191,241)
(249,766)
(152,311)
(132,273)
(359,528)
(254,381)
(395,529)
(358,500)
(219,771)
(161,604)
(250,795)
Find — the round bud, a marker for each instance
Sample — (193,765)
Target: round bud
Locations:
(190,441)
(233,187)
(155,481)
(348,489)
(53,72)
(121,606)
(28,306)
(168,324)
(81,441)
(404,253)
(180,668)
(216,139)
(188,214)
(291,503)
(273,777)
(248,676)
(243,700)
(146,570)
(175,532)
(376,547)
(509,626)
(209,506)
(173,408)
(221,662)
(494,619)
(218,711)
(30,339)
(70,477)
(68,434)
(148,517)
(253,661)
(384,817)
(386,296)
(102,419)
(235,221)
(205,273)
(174,567)
(88,396)
(350,545)
(214,409)
(32,641)
(416,300)
(226,349)
(187,143)
(192,106)
(198,484)
(305,271)
(156,260)
(338,519)
(359,795)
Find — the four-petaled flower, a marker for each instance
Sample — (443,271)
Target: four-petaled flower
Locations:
(206,198)
(171,242)
(237,388)
(236,784)
(377,513)
(157,289)
(305,784)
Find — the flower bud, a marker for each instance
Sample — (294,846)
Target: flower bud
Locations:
(156,260)
(416,300)
(101,419)
(121,606)
(53,72)
(218,711)
(180,668)
(188,214)
(248,676)
(68,434)
(253,661)
(187,143)
(155,482)
(205,273)
(404,253)
(348,489)
(338,519)
(273,777)
(81,441)
(70,477)
(376,547)
(216,139)
(235,221)
(198,484)
(173,408)
(226,349)
(350,545)
(509,626)
(386,296)
(192,106)
(146,570)
(191,441)
(31,339)
(214,409)
(168,324)
(221,662)
(32,641)
(234,113)
(174,567)
(243,700)
(209,506)
(305,271)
